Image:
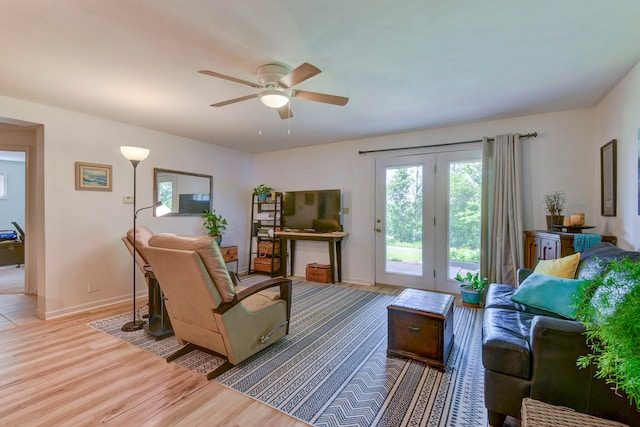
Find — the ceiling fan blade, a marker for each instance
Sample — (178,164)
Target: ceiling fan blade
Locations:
(299,74)
(234,100)
(321,97)
(285,112)
(233,79)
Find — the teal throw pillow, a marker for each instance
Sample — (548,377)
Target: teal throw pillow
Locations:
(554,294)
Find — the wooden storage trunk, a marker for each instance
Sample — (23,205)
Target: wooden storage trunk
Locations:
(320,273)
(421,326)
(11,252)
(264,264)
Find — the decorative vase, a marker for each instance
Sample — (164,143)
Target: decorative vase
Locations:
(470,296)
(262,197)
(553,220)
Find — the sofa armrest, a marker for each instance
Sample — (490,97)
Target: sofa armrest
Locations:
(523,273)
(556,345)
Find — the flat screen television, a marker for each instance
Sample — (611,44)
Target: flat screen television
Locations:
(312,211)
(193,203)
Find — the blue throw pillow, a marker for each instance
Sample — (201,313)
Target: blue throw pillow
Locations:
(554,294)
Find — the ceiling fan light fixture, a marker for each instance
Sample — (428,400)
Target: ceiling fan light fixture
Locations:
(274,98)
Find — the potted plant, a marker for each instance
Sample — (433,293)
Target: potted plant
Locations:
(262,191)
(554,202)
(215,225)
(609,308)
(471,287)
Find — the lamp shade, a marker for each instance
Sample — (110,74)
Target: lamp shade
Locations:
(134,153)
(274,98)
(162,210)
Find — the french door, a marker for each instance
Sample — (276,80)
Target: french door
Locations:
(427,219)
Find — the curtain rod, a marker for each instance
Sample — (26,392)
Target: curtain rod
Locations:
(527,135)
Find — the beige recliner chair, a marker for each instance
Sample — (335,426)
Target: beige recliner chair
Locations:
(159,324)
(142,236)
(207,310)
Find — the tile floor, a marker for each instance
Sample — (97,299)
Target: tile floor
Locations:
(16,308)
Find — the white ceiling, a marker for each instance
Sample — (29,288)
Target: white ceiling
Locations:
(405,65)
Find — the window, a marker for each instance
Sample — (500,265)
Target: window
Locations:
(3,185)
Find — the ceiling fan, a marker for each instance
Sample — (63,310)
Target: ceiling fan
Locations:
(276,81)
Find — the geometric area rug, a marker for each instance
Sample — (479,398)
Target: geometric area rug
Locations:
(332,368)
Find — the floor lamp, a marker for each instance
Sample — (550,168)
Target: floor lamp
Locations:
(135,155)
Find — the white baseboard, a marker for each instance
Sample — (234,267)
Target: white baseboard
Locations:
(141,298)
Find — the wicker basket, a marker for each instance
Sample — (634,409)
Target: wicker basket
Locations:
(264,264)
(539,414)
(268,248)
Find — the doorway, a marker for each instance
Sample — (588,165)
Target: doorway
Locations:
(12,214)
(427,219)
(28,138)
(16,307)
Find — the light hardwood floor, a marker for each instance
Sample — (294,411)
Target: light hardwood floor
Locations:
(62,372)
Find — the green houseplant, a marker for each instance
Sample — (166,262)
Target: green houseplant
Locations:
(262,191)
(554,203)
(609,308)
(214,224)
(472,287)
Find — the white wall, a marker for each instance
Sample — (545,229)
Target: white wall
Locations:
(618,117)
(83,228)
(560,158)
(12,207)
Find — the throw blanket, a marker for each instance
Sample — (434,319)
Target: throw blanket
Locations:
(585,241)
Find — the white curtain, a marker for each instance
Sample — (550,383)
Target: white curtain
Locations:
(502,245)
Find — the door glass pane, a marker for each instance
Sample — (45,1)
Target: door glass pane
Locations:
(403,247)
(465,186)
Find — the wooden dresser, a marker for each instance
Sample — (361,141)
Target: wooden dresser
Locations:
(550,245)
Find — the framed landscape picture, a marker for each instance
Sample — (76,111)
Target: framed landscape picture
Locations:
(93,177)
(608,178)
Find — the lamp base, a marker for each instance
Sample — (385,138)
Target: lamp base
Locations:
(134,325)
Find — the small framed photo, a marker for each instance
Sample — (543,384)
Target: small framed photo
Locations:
(608,178)
(93,177)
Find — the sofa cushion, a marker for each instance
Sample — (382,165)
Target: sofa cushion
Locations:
(613,291)
(594,259)
(499,296)
(554,294)
(505,342)
(561,267)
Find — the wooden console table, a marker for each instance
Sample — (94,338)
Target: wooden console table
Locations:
(335,249)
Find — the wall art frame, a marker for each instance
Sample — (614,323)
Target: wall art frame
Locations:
(93,177)
(608,178)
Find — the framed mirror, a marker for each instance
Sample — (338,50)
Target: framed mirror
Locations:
(185,193)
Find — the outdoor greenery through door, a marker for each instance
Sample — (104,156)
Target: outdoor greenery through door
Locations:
(428,223)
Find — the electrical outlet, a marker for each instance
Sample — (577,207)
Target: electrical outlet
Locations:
(128,200)
(345,211)
(93,287)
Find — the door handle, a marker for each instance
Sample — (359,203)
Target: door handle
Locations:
(378,229)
